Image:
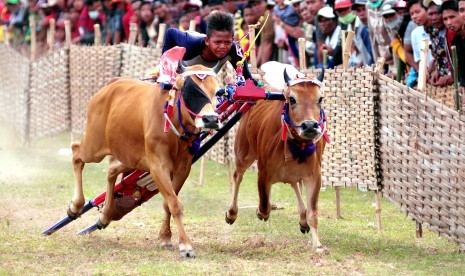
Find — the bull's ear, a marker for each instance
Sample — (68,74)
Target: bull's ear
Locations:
(181,68)
(287,80)
(321,76)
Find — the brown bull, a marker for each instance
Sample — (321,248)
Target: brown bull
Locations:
(261,137)
(125,119)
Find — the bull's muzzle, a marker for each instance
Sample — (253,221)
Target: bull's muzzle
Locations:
(310,129)
(210,121)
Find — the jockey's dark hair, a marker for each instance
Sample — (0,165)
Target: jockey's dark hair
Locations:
(89,2)
(220,21)
(413,2)
(449,5)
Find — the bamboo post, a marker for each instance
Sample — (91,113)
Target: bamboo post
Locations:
(5,35)
(343,40)
(68,33)
(32,25)
(325,59)
(456,78)
(202,170)
(347,49)
(161,35)
(98,35)
(132,34)
(338,202)
(422,67)
(192,26)
(302,54)
(419,230)
(253,56)
(51,36)
(378,209)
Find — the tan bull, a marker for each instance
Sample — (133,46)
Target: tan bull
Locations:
(125,119)
(261,137)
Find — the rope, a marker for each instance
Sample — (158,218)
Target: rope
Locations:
(247,53)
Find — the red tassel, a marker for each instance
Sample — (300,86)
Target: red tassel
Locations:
(284,131)
(169,112)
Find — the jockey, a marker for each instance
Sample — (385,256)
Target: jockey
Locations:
(216,46)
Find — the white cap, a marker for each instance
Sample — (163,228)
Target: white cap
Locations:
(426,3)
(326,12)
(387,9)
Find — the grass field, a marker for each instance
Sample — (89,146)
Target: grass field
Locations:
(36,184)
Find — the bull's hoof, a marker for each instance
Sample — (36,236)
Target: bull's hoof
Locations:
(187,254)
(304,228)
(228,220)
(261,217)
(71,215)
(101,225)
(167,246)
(320,250)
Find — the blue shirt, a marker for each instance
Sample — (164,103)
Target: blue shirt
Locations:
(195,43)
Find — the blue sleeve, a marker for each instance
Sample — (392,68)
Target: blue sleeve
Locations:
(366,41)
(192,43)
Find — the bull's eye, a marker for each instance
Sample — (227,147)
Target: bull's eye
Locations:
(292,100)
(320,100)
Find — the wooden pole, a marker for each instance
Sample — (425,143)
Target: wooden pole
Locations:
(253,56)
(419,230)
(343,40)
(302,54)
(132,34)
(51,36)
(422,67)
(98,35)
(325,59)
(456,78)
(161,35)
(5,35)
(378,209)
(202,170)
(32,25)
(68,33)
(230,174)
(192,26)
(338,202)
(347,49)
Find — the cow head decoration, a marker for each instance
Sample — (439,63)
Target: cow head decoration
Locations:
(198,86)
(302,111)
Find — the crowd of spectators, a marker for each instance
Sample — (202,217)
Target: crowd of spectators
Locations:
(393,29)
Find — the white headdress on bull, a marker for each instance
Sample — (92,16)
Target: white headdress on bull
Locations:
(274,75)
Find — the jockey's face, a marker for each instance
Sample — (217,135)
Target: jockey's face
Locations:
(219,43)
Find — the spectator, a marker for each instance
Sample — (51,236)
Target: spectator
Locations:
(454,22)
(285,14)
(331,30)
(216,47)
(345,14)
(462,9)
(362,35)
(192,10)
(266,49)
(379,36)
(91,14)
(32,9)
(114,12)
(418,15)
(401,8)
(132,16)
(146,25)
(249,18)
(314,6)
(217,5)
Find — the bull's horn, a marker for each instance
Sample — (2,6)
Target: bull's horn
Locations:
(181,67)
(217,67)
(321,75)
(286,77)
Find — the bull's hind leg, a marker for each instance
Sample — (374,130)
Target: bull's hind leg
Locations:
(264,190)
(77,203)
(109,209)
(304,228)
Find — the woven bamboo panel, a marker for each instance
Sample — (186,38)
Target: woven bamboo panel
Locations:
(14,80)
(422,150)
(138,62)
(349,160)
(90,69)
(443,95)
(49,95)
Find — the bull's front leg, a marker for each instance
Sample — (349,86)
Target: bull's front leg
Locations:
(313,190)
(231,214)
(304,228)
(77,203)
(264,189)
(161,176)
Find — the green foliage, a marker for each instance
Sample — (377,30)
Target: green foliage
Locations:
(36,185)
